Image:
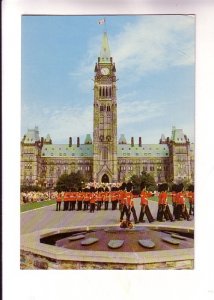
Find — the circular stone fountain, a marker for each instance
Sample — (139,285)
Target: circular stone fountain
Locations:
(109,247)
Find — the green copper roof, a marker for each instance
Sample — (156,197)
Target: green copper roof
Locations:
(62,150)
(105,50)
(88,139)
(147,150)
(123,150)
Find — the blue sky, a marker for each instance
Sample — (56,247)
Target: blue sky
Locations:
(154,57)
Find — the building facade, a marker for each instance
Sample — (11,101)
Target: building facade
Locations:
(105,158)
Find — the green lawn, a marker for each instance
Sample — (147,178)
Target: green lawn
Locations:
(31,206)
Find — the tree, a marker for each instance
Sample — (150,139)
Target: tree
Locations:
(145,178)
(72,181)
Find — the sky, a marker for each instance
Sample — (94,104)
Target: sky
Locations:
(155,62)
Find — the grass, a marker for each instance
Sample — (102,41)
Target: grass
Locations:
(31,206)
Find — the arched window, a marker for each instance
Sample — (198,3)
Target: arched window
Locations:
(100,91)
(106,92)
(110,92)
(104,153)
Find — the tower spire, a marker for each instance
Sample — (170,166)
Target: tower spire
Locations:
(105,50)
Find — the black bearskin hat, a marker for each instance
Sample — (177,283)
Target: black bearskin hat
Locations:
(191,188)
(123,186)
(180,187)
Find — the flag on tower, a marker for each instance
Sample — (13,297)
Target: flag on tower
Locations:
(101,22)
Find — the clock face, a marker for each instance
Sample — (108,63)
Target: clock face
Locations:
(105,71)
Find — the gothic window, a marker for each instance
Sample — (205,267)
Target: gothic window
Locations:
(108,108)
(101,108)
(104,153)
(110,92)
(108,138)
(100,91)
(106,92)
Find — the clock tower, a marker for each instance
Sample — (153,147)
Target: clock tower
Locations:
(105,117)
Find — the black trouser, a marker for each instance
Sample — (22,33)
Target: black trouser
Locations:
(125,210)
(114,204)
(73,204)
(85,205)
(160,212)
(79,205)
(174,209)
(69,205)
(58,205)
(145,210)
(99,205)
(92,207)
(106,205)
(191,209)
(134,214)
(167,213)
(185,214)
(65,205)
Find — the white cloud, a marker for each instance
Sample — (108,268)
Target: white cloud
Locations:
(155,43)
(60,123)
(149,44)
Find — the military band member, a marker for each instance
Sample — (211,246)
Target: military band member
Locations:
(144,195)
(59,201)
(73,199)
(163,207)
(190,196)
(181,211)
(66,201)
(92,201)
(99,199)
(125,209)
(106,196)
(86,199)
(79,199)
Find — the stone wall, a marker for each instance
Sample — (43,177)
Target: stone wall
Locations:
(31,261)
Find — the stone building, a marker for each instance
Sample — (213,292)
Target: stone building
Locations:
(105,158)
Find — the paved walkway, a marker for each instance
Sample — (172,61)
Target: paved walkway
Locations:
(47,217)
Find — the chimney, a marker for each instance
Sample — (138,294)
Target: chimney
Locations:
(70,141)
(78,142)
(140,141)
(132,142)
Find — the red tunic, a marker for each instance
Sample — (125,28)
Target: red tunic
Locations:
(180,198)
(144,197)
(162,198)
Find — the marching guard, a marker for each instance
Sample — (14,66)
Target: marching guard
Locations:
(163,207)
(144,195)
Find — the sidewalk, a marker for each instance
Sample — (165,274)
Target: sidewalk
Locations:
(47,217)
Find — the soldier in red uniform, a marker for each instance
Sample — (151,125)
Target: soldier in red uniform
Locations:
(125,209)
(73,198)
(98,199)
(66,201)
(93,198)
(86,199)
(79,197)
(58,201)
(144,195)
(173,195)
(163,207)
(181,210)
(190,196)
